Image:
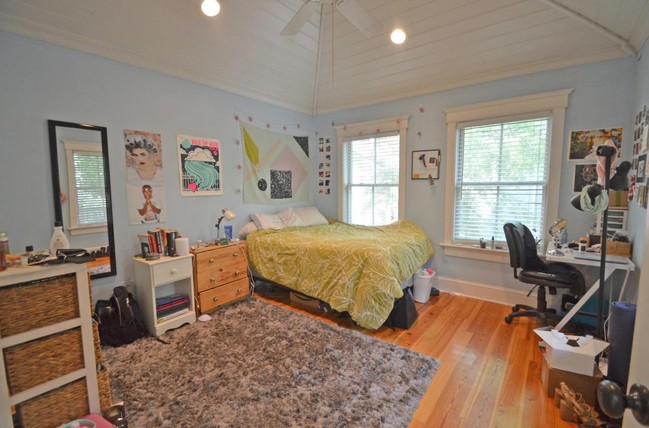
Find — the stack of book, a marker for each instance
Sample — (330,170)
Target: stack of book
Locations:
(169,307)
(158,241)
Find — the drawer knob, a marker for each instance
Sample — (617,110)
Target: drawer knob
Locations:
(212,279)
(221,270)
(237,273)
(174,271)
(211,260)
(215,299)
(238,290)
(235,254)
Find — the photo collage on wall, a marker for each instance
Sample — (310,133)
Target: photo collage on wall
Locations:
(145,190)
(324,166)
(639,166)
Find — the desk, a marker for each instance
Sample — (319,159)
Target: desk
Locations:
(613,263)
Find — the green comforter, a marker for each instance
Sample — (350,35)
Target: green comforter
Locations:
(357,269)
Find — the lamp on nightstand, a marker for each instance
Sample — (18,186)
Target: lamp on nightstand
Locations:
(228,215)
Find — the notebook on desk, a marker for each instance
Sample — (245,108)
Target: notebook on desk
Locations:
(597,257)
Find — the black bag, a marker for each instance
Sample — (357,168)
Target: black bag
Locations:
(404,312)
(120,320)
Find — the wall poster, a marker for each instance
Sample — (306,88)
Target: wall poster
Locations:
(145,190)
(199,166)
(583,144)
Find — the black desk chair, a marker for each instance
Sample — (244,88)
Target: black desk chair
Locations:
(523,256)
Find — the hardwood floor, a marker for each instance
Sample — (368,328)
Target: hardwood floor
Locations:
(490,374)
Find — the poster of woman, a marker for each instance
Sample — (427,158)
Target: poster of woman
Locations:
(144,177)
(200,166)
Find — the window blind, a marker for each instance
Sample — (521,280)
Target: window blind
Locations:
(371,177)
(501,175)
(89,185)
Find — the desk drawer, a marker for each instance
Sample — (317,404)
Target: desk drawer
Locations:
(212,299)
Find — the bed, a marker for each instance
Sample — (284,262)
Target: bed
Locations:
(355,269)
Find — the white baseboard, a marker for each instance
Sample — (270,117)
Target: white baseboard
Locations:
(506,296)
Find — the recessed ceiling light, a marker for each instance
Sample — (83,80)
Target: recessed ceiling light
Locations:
(210,7)
(398,36)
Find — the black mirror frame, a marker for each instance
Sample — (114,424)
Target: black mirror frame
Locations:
(56,183)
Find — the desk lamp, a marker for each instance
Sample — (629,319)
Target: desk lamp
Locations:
(228,215)
(594,199)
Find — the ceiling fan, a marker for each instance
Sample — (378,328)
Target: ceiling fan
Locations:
(350,9)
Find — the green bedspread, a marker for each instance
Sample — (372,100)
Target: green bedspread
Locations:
(357,269)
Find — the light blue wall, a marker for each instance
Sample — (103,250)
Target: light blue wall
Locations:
(39,81)
(602,98)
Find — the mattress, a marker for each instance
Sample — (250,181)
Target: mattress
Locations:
(355,269)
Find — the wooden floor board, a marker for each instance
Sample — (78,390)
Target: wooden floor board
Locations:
(490,373)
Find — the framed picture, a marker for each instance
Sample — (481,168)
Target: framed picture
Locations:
(585,174)
(425,164)
(642,160)
(584,143)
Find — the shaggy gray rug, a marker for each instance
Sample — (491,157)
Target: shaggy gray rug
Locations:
(259,365)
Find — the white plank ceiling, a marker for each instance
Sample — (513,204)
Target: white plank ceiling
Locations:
(329,65)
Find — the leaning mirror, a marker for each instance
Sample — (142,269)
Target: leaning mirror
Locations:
(81,185)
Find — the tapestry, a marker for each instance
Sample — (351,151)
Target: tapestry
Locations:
(276,167)
(200,166)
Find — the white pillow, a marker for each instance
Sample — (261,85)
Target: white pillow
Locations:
(267,221)
(247,229)
(289,218)
(311,216)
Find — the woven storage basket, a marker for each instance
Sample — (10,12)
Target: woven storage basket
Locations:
(32,363)
(97,343)
(56,407)
(103,381)
(31,305)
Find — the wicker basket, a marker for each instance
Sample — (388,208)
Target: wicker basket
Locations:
(32,363)
(103,381)
(55,407)
(31,305)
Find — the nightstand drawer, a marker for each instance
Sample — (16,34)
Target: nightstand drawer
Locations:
(227,293)
(169,272)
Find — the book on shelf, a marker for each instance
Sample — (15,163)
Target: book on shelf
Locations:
(172,315)
(172,309)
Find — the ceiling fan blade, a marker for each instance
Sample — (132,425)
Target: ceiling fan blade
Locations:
(303,14)
(358,16)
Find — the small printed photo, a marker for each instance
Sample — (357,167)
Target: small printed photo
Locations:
(321,174)
(320,165)
(327,191)
(328,157)
(585,174)
(328,147)
(327,173)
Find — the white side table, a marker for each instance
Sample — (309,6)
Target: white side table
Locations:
(161,278)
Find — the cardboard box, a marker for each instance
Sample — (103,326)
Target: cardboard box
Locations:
(618,248)
(618,199)
(585,385)
(562,355)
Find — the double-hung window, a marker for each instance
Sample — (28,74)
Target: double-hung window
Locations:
(504,162)
(86,187)
(501,175)
(372,171)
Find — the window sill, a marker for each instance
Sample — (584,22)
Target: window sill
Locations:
(475,253)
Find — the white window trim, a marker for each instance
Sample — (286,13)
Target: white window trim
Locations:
(374,127)
(70,147)
(555,103)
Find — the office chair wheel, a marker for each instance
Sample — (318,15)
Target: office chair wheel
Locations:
(509,319)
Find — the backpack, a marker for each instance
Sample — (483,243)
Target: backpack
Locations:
(120,319)
(404,312)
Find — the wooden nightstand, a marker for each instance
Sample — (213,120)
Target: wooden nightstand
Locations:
(220,275)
